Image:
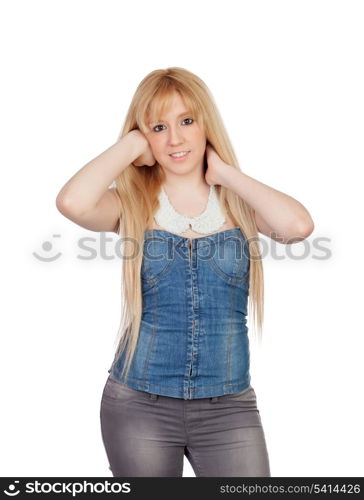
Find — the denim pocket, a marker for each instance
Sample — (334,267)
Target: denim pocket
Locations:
(247,396)
(117,391)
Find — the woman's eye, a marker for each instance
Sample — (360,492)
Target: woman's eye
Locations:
(191,119)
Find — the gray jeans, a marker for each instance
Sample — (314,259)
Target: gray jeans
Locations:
(148,435)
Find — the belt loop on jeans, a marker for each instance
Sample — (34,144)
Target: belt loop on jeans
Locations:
(214,399)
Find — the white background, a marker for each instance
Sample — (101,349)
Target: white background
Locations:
(287,77)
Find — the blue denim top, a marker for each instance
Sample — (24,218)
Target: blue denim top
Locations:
(193,339)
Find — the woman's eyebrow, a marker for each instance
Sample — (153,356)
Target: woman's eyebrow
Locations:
(162,119)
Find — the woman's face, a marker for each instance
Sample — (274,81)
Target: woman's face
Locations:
(175,132)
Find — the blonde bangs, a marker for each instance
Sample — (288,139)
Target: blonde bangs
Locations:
(161,102)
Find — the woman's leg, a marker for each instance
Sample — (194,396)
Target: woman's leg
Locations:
(229,439)
(139,438)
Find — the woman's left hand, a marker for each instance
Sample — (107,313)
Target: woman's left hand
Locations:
(215,167)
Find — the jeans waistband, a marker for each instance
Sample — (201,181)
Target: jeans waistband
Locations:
(156,396)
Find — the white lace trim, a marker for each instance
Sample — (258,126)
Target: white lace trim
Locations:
(211,219)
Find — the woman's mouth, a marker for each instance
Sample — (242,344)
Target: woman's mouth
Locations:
(180,156)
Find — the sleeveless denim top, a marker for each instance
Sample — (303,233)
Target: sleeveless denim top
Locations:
(193,339)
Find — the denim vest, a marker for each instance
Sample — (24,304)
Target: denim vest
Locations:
(193,339)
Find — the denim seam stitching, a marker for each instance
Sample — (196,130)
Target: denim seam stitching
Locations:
(174,388)
(228,364)
(151,343)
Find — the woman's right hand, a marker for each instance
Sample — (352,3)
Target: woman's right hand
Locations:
(146,158)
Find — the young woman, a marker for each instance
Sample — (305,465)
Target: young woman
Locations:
(189,219)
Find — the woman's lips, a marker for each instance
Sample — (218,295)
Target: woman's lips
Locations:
(180,158)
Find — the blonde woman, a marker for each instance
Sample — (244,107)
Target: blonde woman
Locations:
(188,220)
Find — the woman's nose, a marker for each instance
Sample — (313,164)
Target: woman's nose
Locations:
(175,135)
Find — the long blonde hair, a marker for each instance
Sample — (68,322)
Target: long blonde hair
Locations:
(138,188)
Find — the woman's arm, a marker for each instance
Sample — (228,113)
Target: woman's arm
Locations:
(278,215)
(282,214)
(85,189)
(86,198)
